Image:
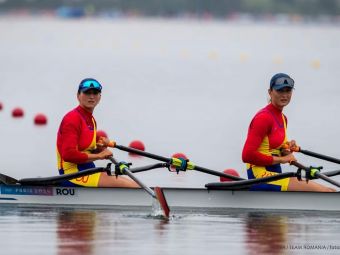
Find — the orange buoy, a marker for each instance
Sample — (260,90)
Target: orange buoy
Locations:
(101,133)
(17,112)
(230,172)
(40,119)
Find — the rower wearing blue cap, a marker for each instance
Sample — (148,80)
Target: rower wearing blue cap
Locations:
(267,145)
(77,147)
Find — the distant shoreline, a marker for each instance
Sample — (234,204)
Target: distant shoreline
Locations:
(280,19)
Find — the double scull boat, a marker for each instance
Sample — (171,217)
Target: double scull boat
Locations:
(233,194)
(177,198)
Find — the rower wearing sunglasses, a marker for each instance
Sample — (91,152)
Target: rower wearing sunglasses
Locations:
(77,139)
(267,145)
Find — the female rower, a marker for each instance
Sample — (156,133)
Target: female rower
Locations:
(77,141)
(267,147)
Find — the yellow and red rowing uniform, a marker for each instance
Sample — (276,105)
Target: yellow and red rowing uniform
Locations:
(76,138)
(266,136)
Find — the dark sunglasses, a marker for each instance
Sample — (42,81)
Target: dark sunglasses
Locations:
(285,89)
(283,81)
(90,84)
(91,92)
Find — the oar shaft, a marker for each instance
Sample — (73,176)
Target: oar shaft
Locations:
(298,165)
(146,188)
(216,173)
(142,153)
(146,168)
(332,173)
(320,156)
(167,160)
(318,174)
(127,172)
(326,178)
(158,194)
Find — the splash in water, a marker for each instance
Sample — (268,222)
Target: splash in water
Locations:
(157,210)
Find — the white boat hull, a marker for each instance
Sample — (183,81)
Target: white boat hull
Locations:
(177,198)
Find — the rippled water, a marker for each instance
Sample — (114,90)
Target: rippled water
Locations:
(127,231)
(180,86)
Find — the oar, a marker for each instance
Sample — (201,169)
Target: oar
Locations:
(157,193)
(174,161)
(7,180)
(316,173)
(54,180)
(247,183)
(317,155)
(149,167)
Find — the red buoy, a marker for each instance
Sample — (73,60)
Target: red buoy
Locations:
(101,133)
(137,144)
(17,112)
(179,155)
(230,172)
(40,119)
(1,106)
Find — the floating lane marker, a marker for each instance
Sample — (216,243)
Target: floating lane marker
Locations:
(40,119)
(315,64)
(17,112)
(244,57)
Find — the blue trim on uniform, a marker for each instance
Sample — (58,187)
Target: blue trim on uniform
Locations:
(275,168)
(67,183)
(250,174)
(80,167)
(265,186)
(85,166)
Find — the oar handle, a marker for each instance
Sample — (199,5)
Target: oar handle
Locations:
(299,165)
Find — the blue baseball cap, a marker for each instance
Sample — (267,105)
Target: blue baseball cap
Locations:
(89,83)
(281,80)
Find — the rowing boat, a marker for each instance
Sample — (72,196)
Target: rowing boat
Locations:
(232,194)
(177,198)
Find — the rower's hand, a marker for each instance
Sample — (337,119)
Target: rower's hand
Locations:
(289,147)
(289,158)
(102,143)
(105,154)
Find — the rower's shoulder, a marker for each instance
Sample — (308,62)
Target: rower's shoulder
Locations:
(71,116)
(263,114)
